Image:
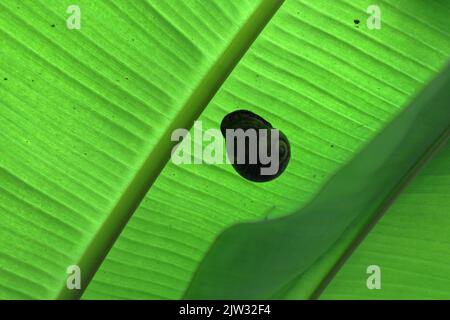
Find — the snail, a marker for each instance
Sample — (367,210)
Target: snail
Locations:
(253,165)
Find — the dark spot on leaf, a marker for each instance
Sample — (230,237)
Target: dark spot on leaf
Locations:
(5,79)
(356,21)
(53,25)
(251,124)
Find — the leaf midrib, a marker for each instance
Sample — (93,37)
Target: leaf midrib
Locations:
(138,187)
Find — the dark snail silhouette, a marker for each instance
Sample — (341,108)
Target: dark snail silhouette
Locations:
(243,119)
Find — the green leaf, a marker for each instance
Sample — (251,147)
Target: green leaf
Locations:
(86,117)
(331,88)
(409,244)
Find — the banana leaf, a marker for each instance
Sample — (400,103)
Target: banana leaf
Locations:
(329,107)
(87,116)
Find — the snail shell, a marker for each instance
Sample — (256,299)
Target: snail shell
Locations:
(243,119)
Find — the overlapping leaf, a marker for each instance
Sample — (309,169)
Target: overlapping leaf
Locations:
(410,244)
